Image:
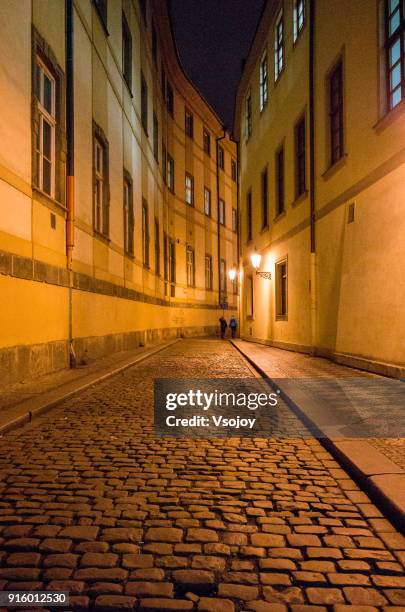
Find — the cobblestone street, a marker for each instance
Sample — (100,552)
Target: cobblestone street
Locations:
(92,503)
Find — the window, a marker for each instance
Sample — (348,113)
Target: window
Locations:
(281,290)
(145,233)
(249,296)
(157,248)
(249,217)
(189,124)
(101,184)
(155,137)
(235,282)
(101,7)
(248,116)
(395,49)
(190,267)
(208,272)
(154,44)
(128,215)
(207,201)
(126,52)
(279,46)
(222,277)
(45,149)
(170,172)
(280,181)
(172,266)
(164,163)
(221,157)
(265,198)
(234,220)
(169,99)
(300,154)
(189,184)
(222,212)
(143,7)
(298,18)
(234,170)
(336,113)
(144,104)
(206,141)
(263,82)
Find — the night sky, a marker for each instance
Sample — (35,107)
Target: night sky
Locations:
(213,36)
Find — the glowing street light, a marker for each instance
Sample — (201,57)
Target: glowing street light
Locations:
(232,274)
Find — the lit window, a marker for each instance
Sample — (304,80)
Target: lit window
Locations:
(46,135)
(279,46)
(281,290)
(395,45)
(207,201)
(128,216)
(221,157)
(336,113)
(263,82)
(208,272)
(189,185)
(248,116)
(298,17)
(190,267)
(222,212)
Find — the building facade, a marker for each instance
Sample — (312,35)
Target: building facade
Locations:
(118,190)
(320,115)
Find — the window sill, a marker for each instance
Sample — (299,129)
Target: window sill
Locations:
(390,117)
(48,201)
(335,167)
(146,266)
(281,318)
(279,216)
(101,237)
(303,196)
(129,255)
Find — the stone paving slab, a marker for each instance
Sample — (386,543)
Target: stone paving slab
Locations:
(92,502)
(373,463)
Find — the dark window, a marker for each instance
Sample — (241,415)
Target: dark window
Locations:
(154,43)
(300,154)
(165,260)
(395,49)
(144,12)
(207,201)
(222,277)
(208,272)
(234,220)
(189,189)
(206,141)
(190,267)
(164,163)
(157,247)
(249,296)
(249,217)
(189,124)
(234,170)
(169,99)
(279,46)
(170,172)
(222,212)
(221,156)
(155,137)
(281,290)
(126,52)
(101,6)
(144,104)
(235,282)
(172,266)
(101,192)
(336,113)
(248,116)
(145,233)
(280,181)
(265,198)
(128,215)
(298,18)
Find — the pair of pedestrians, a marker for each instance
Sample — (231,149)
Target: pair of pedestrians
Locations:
(232,324)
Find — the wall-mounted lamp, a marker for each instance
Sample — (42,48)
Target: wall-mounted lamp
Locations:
(232,274)
(256,258)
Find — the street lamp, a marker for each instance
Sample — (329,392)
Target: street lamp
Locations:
(256,258)
(232,274)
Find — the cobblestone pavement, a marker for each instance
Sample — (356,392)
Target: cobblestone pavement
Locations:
(92,503)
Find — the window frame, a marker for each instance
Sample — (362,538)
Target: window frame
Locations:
(189,123)
(280,181)
(50,118)
(206,142)
(398,35)
(208,272)
(279,45)
(234,219)
(249,216)
(263,81)
(128,210)
(234,170)
(207,191)
(170,172)
(157,247)
(221,212)
(144,103)
(223,278)
(155,137)
(300,155)
(298,26)
(145,234)
(281,289)
(249,296)
(190,266)
(264,197)
(221,157)
(189,189)
(101,226)
(336,109)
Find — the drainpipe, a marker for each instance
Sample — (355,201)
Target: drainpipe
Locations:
(218,223)
(313,286)
(70,169)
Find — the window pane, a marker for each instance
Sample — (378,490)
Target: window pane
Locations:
(394,22)
(46,139)
(396,97)
(395,76)
(395,51)
(48,94)
(46,174)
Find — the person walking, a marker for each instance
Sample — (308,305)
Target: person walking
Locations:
(233,325)
(223,325)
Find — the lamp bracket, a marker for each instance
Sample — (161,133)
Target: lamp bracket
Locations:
(266,275)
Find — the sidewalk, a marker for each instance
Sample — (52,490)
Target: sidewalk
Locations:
(378,462)
(22,401)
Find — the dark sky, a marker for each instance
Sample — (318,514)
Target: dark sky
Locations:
(212,38)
